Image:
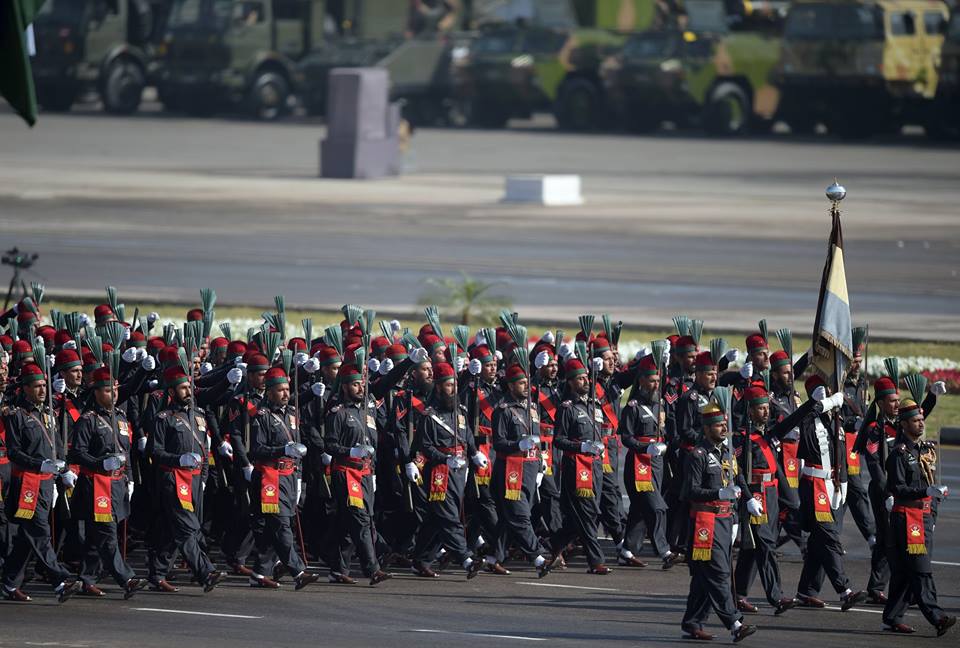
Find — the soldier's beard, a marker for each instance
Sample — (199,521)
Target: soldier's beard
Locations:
(447,401)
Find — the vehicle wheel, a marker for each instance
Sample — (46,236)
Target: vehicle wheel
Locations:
(269,96)
(727,111)
(485,114)
(122,87)
(578,106)
(802,124)
(641,121)
(57,99)
(851,125)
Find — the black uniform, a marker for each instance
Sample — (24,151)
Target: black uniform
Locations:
(684,431)
(480,399)
(784,401)
(238,543)
(858,500)
(547,518)
(101,497)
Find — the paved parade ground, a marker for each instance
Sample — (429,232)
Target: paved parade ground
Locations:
(731,229)
(630,607)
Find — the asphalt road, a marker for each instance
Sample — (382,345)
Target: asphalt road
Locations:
(731,230)
(627,608)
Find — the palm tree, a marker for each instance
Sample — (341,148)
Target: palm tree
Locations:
(469,296)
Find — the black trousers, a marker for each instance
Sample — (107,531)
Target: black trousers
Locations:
(514,517)
(181,531)
(710,583)
(824,557)
(879,564)
(354,528)
(274,538)
(32,537)
(581,515)
(103,549)
(762,559)
(443,524)
(611,504)
(481,512)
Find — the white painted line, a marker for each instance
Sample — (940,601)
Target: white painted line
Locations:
(213,614)
(948,564)
(577,587)
(855,609)
(477,634)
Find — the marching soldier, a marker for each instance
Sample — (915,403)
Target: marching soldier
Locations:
(35,452)
(910,482)
(712,487)
(784,401)
(276,451)
(516,440)
(546,394)
(100,445)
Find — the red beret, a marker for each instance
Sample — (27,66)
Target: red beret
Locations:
(426,329)
(647,366)
(168,355)
(397,352)
(600,346)
(503,338)
(103,314)
(137,339)
(684,344)
(61,338)
(257,362)
(155,343)
(173,376)
(756,395)
(106,346)
(67,359)
(705,361)
(297,344)
(779,359)
(379,344)
(6,342)
(328,355)
(442,371)
(276,376)
(90,362)
(544,346)
(756,341)
(349,373)
(514,373)
(102,377)
(194,314)
(573,367)
(31,373)
(884,387)
(219,343)
(431,342)
(812,383)
(21,349)
(236,348)
(48,333)
(482,353)
(25,316)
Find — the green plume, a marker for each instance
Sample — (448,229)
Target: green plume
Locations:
(893,369)
(718,346)
(658,348)
(860,335)
(72,322)
(271,342)
(56,319)
(112,360)
(121,312)
(144,325)
(786,341)
(286,360)
(37,289)
(617,330)
(281,316)
(517,333)
(207,323)
(461,334)
(333,336)
(95,344)
(39,353)
(366,325)
(586,326)
(225,329)
(183,360)
(520,358)
(723,396)
(607,327)
(581,349)
(453,350)
(490,336)
(352,313)
(251,332)
(682,324)
(762,325)
(307,325)
(360,358)
(386,330)
(273,320)
(113,334)
(432,314)
(696,329)
(917,384)
(410,341)
(136,320)
(27,303)
(169,333)
(765,374)
(558,341)
(112,299)
(208,297)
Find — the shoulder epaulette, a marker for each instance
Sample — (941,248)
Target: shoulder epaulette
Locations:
(566,403)
(503,405)
(699,452)
(163,414)
(632,402)
(901,447)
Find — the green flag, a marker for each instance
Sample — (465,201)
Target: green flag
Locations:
(16,80)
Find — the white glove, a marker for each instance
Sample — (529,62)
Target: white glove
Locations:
(819,393)
(843,493)
(732,355)
(318,389)
(326,459)
(311,365)
(455,463)
(373,365)
(130,355)
(938,388)
(153,384)
(459,364)
(238,362)
(84,320)
(153,317)
(413,473)
(69,479)
(746,371)
(395,326)
(529,443)
(669,347)
(386,367)
(888,503)
(729,493)
(541,360)
(480,460)
(49,467)
(939,492)
(754,507)
(226,450)
(149,363)
(294,450)
(235,375)
(300,358)
(831,403)
(129,490)
(142,443)
(642,353)
(539,478)
(566,350)
(205,368)
(126,332)
(56,495)
(588,447)
(499,354)
(112,463)
(656,449)
(59,385)
(358,452)
(836,500)
(419,355)
(247,472)
(51,360)
(189,460)
(70,344)
(474,367)
(597,364)
(299,489)
(479,339)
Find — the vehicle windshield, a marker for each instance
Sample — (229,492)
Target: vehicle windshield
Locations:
(651,45)
(68,12)
(834,22)
(706,16)
(212,14)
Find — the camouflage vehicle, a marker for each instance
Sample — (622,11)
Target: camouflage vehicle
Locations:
(708,67)
(101,45)
(944,120)
(861,66)
(546,61)
(236,52)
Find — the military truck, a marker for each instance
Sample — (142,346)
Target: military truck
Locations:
(229,53)
(708,67)
(545,61)
(860,66)
(944,119)
(100,45)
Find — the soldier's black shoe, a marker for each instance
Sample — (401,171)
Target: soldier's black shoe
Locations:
(746,606)
(91,590)
(303,579)
(379,576)
(698,635)
(496,568)
(671,560)
(133,586)
(743,632)
(546,568)
(163,586)
(783,605)
(263,582)
(67,590)
(810,602)
(212,580)
(240,570)
(278,571)
(444,561)
(632,561)
(341,579)
(474,569)
(421,570)
(17,595)
(945,624)
(899,628)
(877,598)
(852,599)
(599,570)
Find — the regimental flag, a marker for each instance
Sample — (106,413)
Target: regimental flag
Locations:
(832,335)
(16,79)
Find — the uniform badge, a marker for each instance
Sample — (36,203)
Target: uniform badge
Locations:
(184,490)
(643,469)
(703,534)
(355,487)
(822,499)
(915,531)
(29,496)
(293,422)
(269,490)
(584,475)
(438,479)
(791,465)
(102,502)
(201,423)
(514,477)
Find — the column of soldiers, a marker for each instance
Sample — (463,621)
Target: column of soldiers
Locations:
(417,451)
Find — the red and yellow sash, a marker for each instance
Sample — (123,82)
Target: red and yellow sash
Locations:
(853,457)
(916,534)
(29,493)
(102,498)
(704,523)
(583,473)
(821,501)
(183,479)
(439,477)
(642,472)
(791,465)
(513,477)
